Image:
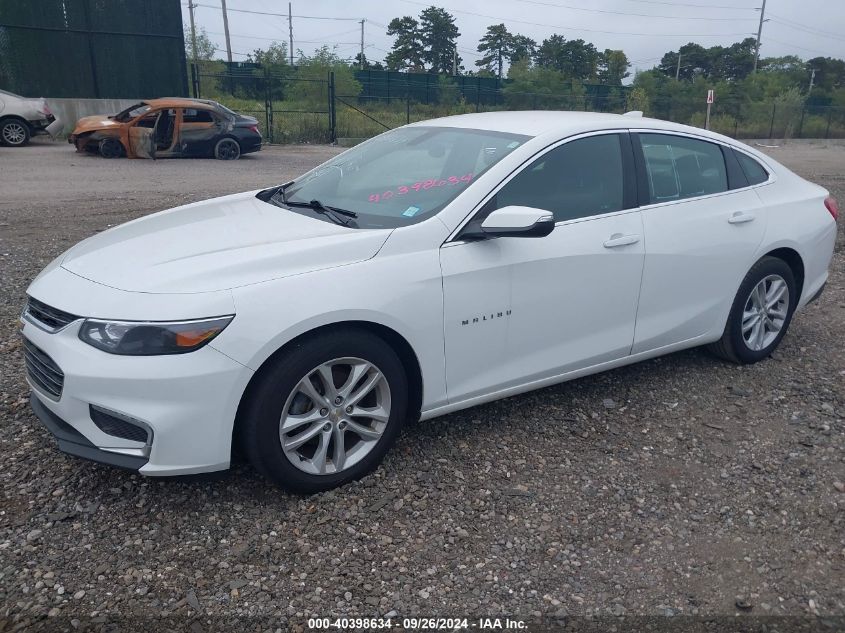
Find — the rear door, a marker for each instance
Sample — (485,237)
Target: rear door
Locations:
(701,232)
(199,132)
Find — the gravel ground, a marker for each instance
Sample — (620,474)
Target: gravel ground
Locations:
(681,485)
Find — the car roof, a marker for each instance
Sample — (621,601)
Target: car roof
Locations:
(560,123)
(179,102)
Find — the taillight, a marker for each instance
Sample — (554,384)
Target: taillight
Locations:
(830,203)
(254,128)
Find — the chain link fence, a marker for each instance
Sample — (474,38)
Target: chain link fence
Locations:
(313,105)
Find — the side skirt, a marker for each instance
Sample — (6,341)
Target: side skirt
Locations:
(565,377)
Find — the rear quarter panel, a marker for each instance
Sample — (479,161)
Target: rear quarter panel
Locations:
(798,219)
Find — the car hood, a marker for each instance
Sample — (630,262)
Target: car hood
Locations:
(216,245)
(94,123)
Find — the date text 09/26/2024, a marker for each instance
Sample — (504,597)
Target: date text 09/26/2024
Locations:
(416,624)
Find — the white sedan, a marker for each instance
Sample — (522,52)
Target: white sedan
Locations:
(435,267)
(21,118)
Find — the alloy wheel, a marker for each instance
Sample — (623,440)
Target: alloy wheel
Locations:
(14,133)
(335,416)
(228,150)
(765,312)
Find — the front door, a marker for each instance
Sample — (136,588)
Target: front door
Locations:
(141,136)
(519,310)
(156,134)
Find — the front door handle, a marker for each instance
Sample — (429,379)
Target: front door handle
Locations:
(617,239)
(741,218)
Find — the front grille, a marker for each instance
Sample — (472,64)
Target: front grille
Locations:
(110,424)
(42,370)
(51,318)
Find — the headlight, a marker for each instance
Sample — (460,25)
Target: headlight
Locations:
(150,338)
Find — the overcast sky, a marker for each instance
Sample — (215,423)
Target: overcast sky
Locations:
(644,29)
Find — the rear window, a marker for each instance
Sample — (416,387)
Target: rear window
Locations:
(680,167)
(197,116)
(754,171)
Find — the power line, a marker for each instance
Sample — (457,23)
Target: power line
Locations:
(806,29)
(700,6)
(572,28)
(803,48)
(274,39)
(329,40)
(284,15)
(641,15)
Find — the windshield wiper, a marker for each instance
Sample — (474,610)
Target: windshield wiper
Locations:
(332,212)
(269,195)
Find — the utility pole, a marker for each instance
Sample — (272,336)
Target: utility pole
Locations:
(455,61)
(812,80)
(290,33)
(226,31)
(362,44)
(678,69)
(191,6)
(759,33)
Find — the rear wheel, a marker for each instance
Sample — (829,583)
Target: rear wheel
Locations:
(14,132)
(326,412)
(761,313)
(227,149)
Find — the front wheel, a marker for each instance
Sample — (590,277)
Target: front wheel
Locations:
(227,149)
(761,313)
(326,411)
(111,148)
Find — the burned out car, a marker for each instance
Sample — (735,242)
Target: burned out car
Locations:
(169,128)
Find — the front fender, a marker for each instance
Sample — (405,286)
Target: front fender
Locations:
(402,292)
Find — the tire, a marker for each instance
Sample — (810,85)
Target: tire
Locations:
(277,409)
(14,132)
(748,338)
(227,149)
(111,148)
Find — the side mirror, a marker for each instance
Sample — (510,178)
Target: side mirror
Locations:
(513,221)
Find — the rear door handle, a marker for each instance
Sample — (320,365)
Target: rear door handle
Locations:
(617,239)
(741,218)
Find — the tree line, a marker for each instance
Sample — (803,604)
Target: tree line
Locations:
(557,66)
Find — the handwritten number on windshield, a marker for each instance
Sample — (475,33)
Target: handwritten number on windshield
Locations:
(420,186)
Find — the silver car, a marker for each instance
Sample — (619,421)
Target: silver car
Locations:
(22,118)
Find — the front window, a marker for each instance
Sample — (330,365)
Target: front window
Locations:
(403,176)
(578,179)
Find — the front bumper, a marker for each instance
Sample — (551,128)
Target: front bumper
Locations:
(187,401)
(72,442)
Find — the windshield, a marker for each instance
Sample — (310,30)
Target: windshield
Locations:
(131,112)
(403,176)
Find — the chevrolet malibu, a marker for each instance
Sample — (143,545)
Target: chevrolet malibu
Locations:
(435,267)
